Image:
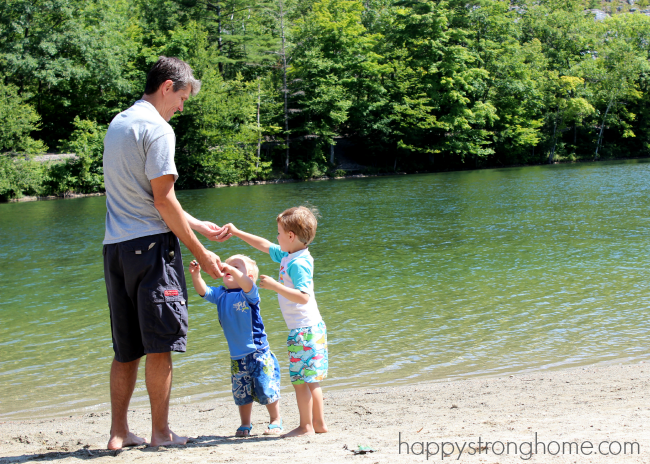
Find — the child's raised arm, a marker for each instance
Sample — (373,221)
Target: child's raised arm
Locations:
(260,243)
(291,294)
(197,280)
(245,282)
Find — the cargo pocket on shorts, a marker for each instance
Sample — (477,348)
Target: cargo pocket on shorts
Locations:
(170,310)
(139,246)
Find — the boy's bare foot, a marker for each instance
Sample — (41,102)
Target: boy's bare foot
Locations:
(320,427)
(299,432)
(167,439)
(117,442)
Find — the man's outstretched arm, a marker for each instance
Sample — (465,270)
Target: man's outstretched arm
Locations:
(170,209)
(208,229)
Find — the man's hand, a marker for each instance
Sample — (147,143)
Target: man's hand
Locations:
(211,264)
(268,283)
(212,232)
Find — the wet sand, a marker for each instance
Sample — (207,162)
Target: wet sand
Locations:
(579,409)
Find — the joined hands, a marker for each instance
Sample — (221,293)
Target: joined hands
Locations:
(213,232)
(210,262)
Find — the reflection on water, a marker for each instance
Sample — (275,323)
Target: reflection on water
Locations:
(418,277)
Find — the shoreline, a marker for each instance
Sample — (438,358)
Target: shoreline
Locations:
(581,405)
(138,400)
(66,196)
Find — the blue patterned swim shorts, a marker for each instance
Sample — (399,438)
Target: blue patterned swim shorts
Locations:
(255,377)
(308,354)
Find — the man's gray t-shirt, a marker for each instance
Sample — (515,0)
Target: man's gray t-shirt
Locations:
(138,147)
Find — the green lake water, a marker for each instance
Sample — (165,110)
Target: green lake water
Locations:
(421,277)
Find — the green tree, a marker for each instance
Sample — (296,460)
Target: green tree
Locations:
(518,77)
(614,72)
(451,77)
(567,105)
(85,172)
(243,31)
(19,177)
(217,139)
(335,70)
(564,30)
(17,121)
(69,58)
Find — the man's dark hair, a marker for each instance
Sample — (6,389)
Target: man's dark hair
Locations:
(169,68)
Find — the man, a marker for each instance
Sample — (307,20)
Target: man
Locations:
(143,269)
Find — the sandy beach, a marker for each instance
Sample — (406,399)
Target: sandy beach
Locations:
(586,414)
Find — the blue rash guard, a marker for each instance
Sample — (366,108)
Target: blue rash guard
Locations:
(240,318)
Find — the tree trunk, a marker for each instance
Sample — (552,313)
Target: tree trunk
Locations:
(551,155)
(331,154)
(259,132)
(219,41)
(21,87)
(602,127)
(284,89)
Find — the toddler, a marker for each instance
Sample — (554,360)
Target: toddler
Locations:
(254,368)
(307,341)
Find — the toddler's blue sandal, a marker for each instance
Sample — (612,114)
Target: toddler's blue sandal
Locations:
(244,431)
(274,429)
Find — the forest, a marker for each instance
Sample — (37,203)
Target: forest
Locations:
(290,87)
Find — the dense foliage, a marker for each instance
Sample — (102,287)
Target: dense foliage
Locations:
(399,84)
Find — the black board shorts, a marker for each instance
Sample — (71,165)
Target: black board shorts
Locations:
(147,296)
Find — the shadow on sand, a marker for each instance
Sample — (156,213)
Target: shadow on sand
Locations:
(204,441)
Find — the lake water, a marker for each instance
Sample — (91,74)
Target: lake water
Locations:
(421,277)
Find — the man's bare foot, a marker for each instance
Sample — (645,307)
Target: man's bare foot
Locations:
(167,439)
(117,442)
(299,432)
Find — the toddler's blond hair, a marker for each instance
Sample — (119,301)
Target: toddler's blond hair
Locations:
(301,221)
(251,265)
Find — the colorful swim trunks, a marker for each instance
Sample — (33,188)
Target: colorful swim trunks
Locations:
(308,354)
(255,377)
